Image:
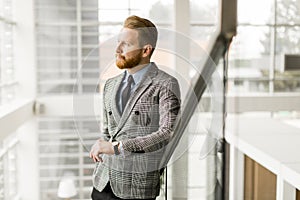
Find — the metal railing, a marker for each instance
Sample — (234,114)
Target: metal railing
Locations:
(8,170)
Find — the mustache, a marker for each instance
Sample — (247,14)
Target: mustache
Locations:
(119,55)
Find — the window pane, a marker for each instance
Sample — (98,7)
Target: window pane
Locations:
(118,10)
(250,50)
(239,86)
(160,12)
(249,57)
(289,85)
(288,11)
(255,11)
(56,14)
(112,15)
(287,42)
(64,3)
(113,4)
(6,10)
(202,34)
(108,31)
(90,14)
(204,11)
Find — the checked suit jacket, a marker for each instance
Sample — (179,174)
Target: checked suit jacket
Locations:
(145,128)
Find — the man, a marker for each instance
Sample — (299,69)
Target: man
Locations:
(140,108)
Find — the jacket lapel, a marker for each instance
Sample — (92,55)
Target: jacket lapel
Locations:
(145,83)
(115,110)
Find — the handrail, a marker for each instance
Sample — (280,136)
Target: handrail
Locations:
(8,84)
(6,20)
(17,111)
(11,145)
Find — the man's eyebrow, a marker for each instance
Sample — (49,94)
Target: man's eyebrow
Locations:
(130,42)
(127,42)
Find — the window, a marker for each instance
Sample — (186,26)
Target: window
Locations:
(7,72)
(66,33)
(70,32)
(256,56)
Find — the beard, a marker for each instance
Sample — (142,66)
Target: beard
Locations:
(130,62)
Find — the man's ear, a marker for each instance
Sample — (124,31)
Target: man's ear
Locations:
(147,50)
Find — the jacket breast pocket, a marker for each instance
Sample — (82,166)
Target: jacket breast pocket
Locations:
(146,116)
(146,111)
(141,118)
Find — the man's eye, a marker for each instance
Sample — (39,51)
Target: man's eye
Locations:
(123,43)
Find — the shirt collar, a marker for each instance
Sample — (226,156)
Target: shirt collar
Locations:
(138,76)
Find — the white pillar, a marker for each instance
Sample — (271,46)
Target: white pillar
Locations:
(181,25)
(284,191)
(28,169)
(25,66)
(236,179)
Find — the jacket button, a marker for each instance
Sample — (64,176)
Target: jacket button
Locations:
(136,112)
(109,112)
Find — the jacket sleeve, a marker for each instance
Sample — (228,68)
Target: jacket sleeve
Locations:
(169,107)
(104,124)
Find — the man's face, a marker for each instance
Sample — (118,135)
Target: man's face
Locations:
(128,52)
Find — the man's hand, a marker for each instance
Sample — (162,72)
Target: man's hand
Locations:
(101,147)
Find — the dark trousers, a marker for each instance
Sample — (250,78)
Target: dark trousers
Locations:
(107,194)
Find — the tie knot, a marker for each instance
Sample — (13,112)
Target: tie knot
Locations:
(130,79)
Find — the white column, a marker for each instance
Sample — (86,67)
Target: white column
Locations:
(182,45)
(25,66)
(181,25)
(284,191)
(236,173)
(28,169)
